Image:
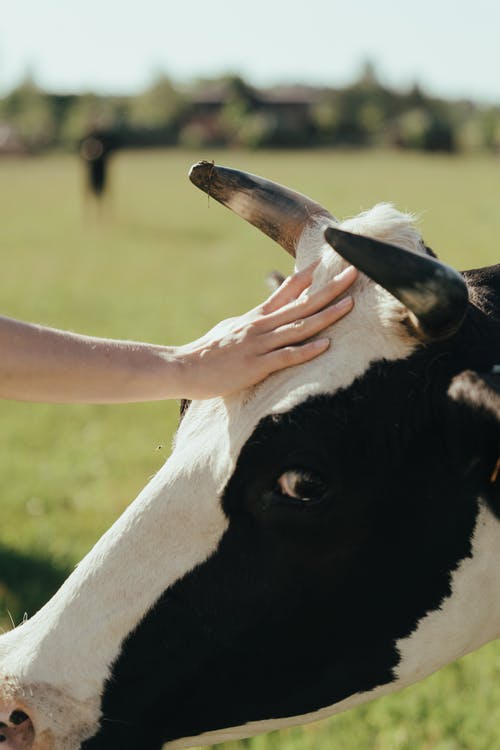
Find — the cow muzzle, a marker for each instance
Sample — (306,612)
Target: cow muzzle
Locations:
(16,730)
(38,716)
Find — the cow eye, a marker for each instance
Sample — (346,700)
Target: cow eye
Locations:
(301,484)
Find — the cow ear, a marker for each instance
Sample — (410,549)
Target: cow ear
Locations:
(476,422)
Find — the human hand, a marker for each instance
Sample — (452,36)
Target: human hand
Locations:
(242,351)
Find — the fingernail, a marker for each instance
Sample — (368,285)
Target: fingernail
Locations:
(349,271)
(345,302)
(321,343)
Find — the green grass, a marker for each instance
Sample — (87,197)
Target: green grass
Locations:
(164,267)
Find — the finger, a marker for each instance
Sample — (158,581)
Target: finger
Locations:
(291,288)
(312,303)
(304,328)
(295,355)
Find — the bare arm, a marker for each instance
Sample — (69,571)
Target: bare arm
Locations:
(45,364)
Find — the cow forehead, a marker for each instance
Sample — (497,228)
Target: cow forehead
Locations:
(373,331)
(382,222)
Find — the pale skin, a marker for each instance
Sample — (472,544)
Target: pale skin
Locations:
(49,365)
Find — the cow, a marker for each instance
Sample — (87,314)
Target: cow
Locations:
(95,151)
(326,537)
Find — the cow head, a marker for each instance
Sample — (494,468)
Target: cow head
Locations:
(316,541)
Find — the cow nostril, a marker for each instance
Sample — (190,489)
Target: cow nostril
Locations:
(17,732)
(17,717)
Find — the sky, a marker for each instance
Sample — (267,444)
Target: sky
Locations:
(451,48)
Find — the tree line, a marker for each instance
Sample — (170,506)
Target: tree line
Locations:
(229,112)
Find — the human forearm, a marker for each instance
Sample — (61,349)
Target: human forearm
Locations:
(44,364)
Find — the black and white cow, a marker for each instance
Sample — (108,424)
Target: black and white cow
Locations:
(322,539)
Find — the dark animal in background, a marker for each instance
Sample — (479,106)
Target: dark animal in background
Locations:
(95,151)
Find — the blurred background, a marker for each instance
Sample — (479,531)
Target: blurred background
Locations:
(103,107)
(408,76)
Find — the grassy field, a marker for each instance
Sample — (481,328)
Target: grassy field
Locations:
(164,266)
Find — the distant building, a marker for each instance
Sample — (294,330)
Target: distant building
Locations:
(282,115)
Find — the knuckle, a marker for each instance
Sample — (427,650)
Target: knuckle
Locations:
(305,303)
(257,323)
(253,325)
(288,355)
(246,334)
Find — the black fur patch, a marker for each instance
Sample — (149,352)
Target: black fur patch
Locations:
(183,407)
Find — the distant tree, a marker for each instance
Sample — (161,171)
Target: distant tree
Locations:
(325,115)
(240,103)
(158,108)
(427,128)
(27,108)
(60,105)
(368,78)
(415,96)
(337,118)
(489,120)
(229,111)
(408,130)
(357,114)
(439,134)
(91,112)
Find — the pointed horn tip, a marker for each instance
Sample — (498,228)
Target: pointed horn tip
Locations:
(200,173)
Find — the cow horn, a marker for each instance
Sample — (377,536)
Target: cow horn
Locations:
(434,293)
(276,210)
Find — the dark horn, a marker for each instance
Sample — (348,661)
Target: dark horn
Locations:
(434,293)
(276,210)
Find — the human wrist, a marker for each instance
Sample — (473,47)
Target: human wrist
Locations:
(165,376)
(185,369)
